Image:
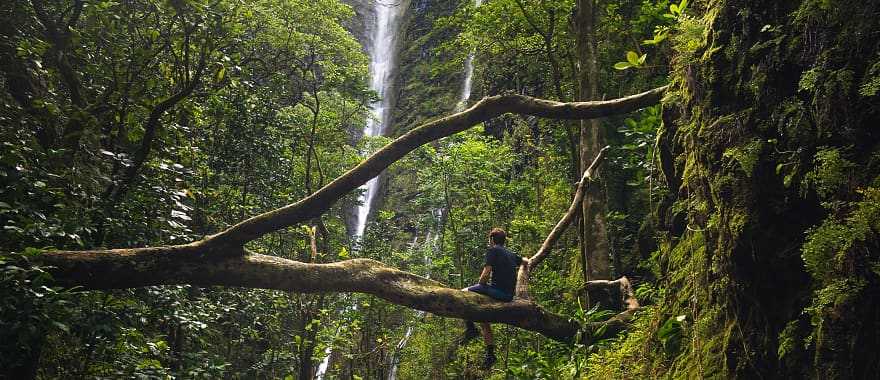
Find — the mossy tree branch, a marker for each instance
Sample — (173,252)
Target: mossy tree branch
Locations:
(222,260)
(484,110)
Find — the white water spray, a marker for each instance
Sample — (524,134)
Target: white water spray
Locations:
(383,61)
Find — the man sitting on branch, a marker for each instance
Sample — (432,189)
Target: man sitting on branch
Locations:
(498,280)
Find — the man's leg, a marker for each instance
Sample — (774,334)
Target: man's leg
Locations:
(487,333)
(470,329)
(470,332)
(490,346)
(487,329)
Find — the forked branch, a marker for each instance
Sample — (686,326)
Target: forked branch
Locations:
(522,280)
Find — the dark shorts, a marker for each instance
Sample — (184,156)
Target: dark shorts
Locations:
(490,291)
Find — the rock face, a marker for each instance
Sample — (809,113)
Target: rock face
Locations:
(770,147)
(361,26)
(424,93)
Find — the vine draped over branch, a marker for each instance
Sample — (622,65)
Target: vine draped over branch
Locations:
(221,259)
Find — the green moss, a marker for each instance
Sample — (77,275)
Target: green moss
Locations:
(826,247)
(746,155)
(784,86)
(871,83)
(628,358)
(830,173)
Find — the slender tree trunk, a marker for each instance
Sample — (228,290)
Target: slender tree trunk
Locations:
(593,233)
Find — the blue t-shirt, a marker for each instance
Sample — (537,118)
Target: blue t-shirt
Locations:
(504,264)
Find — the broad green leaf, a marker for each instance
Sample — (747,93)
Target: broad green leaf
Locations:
(622,65)
(220,74)
(632,57)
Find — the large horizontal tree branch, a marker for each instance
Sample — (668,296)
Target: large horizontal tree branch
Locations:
(197,265)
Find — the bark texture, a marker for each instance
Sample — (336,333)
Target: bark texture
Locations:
(198,265)
(222,260)
(593,227)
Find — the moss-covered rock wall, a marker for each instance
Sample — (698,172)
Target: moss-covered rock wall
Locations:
(769,258)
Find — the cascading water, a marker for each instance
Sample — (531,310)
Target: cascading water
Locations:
(466,86)
(383,59)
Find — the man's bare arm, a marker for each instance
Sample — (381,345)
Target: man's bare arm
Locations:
(484,277)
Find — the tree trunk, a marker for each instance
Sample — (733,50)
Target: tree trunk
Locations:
(593,230)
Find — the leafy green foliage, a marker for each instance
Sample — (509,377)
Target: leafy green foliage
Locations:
(632,60)
(830,174)
(670,334)
(829,244)
(29,308)
(676,13)
(161,122)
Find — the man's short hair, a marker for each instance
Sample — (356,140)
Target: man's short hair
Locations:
(498,236)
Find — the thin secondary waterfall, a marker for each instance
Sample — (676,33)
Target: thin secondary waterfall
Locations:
(383,62)
(395,355)
(431,244)
(467,85)
(468,79)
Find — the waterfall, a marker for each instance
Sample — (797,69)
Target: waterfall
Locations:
(322,368)
(383,54)
(383,61)
(467,85)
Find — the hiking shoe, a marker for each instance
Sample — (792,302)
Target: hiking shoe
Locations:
(490,360)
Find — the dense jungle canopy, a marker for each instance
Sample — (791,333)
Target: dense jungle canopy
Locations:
(299,189)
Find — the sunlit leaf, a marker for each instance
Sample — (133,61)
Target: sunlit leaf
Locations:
(632,57)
